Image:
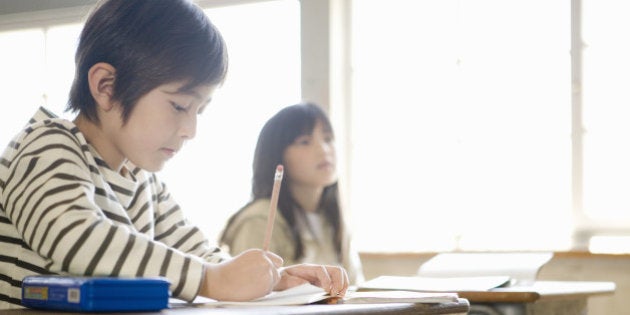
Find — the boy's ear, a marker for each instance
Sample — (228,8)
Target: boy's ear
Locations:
(101,78)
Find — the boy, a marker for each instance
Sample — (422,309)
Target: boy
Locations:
(81,198)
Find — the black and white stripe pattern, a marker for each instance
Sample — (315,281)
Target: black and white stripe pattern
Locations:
(63,211)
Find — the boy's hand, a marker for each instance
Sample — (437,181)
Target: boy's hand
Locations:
(252,274)
(333,279)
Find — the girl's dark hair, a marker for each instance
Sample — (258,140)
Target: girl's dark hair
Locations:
(150,43)
(276,135)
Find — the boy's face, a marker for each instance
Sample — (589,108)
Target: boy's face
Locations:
(160,123)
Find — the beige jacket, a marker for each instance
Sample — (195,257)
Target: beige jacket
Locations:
(248,231)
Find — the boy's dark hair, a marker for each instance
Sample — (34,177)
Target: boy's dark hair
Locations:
(150,43)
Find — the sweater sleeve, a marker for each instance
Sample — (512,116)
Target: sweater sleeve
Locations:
(52,199)
(172,229)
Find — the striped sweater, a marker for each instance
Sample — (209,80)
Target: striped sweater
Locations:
(64,211)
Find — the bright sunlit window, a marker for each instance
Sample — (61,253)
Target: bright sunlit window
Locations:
(462,125)
(606,111)
(468,133)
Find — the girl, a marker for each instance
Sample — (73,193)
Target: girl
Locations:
(310,226)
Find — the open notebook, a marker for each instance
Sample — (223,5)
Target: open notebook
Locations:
(308,294)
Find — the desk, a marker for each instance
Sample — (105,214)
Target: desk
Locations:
(461,307)
(541,298)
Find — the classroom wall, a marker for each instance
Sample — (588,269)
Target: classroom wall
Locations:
(576,266)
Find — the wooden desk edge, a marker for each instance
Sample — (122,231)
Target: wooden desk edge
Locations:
(582,290)
(462,306)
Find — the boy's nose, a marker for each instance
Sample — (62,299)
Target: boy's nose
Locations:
(188,130)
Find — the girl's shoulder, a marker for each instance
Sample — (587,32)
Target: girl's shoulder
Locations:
(256,208)
(252,213)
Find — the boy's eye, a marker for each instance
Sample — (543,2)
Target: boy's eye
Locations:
(178,107)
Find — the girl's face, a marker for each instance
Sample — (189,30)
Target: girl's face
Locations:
(311,159)
(159,124)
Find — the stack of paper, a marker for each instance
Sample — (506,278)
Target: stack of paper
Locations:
(519,267)
(459,272)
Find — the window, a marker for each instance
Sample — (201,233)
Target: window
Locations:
(462,125)
(465,130)
(37,70)
(264,75)
(605,207)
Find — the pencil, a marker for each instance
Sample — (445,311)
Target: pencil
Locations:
(273,206)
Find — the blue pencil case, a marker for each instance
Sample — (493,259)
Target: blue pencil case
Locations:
(95,294)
